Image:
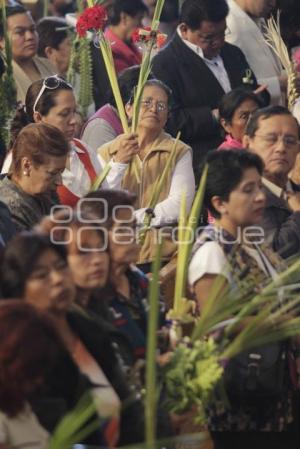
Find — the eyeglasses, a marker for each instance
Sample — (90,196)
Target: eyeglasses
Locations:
(52,82)
(159,105)
(272,139)
(213,38)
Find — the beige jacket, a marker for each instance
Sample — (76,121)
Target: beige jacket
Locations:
(23,82)
(151,167)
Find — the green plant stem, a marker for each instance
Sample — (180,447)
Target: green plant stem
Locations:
(101,178)
(156,191)
(183,260)
(151,390)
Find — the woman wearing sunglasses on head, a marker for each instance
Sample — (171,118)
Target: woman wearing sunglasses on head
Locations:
(52,101)
(153,147)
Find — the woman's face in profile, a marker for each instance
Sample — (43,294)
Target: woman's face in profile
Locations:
(88,258)
(63,114)
(123,238)
(50,285)
(236,128)
(47,177)
(246,203)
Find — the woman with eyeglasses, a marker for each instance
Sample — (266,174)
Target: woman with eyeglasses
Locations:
(39,156)
(52,101)
(235,109)
(152,147)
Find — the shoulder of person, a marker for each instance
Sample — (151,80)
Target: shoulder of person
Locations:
(48,66)
(231,49)
(108,149)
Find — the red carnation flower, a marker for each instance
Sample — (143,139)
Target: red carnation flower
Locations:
(92,19)
(161,40)
(146,34)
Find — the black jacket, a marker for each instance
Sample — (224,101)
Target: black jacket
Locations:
(196,92)
(281,225)
(66,385)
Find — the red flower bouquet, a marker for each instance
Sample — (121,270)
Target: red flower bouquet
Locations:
(146,34)
(92,19)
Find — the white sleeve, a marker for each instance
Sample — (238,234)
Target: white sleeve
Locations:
(209,259)
(183,180)
(97,133)
(7,163)
(116,173)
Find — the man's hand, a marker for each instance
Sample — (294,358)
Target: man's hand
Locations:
(127,148)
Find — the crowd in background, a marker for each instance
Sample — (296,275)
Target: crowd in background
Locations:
(73,278)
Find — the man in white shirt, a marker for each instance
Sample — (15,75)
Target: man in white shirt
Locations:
(273,133)
(200,67)
(246,24)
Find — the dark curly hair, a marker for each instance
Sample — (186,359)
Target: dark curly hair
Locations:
(29,350)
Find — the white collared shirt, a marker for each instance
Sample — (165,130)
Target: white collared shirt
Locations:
(76,177)
(276,190)
(215,65)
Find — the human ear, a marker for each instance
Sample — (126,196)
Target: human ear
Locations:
(225,125)
(26,166)
(37,117)
(246,141)
(219,205)
(184,30)
(129,110)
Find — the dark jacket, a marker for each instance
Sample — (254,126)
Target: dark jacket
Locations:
(67,385)
(7,227)
(26,210)
(281,225)
(196,92)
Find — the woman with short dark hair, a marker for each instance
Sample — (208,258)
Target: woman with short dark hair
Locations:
(39,156)
(233,250)
(54,42)
(235,108)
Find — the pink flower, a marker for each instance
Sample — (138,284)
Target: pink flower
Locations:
(92,19)
(296,57)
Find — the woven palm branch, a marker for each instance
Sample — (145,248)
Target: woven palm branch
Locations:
(274,39)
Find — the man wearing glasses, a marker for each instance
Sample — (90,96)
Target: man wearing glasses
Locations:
(27,67)
(273,133)
(200,67)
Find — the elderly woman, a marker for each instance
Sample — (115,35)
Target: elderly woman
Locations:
(152,148)
(52,101)
(39,156)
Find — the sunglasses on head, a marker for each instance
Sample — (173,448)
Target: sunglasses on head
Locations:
(52,82)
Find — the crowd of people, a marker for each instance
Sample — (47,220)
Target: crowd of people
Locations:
(74,271)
